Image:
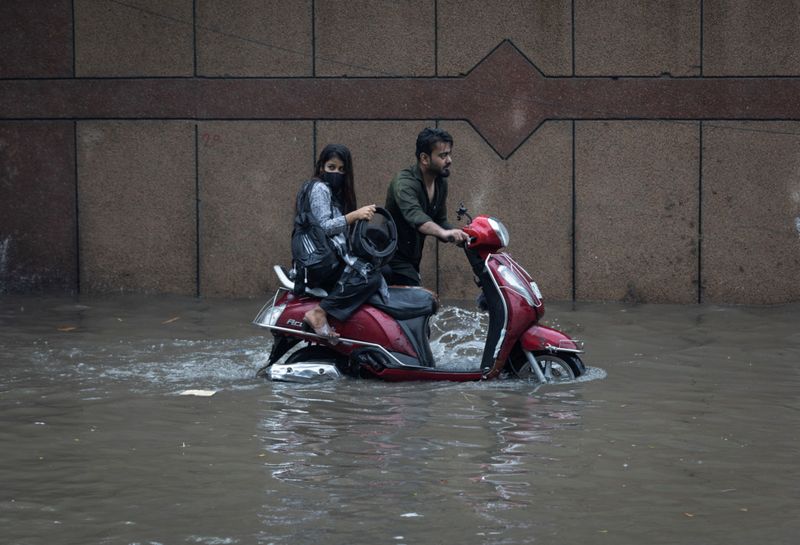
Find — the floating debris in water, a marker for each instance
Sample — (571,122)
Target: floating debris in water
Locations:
(200,393)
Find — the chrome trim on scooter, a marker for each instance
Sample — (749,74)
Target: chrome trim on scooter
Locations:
(535,366)
(266,309)
(287,283)
(303,372)
(502,336)
(560,348)
(343,340)
(282,278)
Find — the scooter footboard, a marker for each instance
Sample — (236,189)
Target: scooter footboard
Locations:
(540,338)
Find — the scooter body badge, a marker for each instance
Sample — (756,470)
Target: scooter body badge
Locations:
(292,321)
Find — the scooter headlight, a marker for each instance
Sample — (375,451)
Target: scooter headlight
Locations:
(513,281)
(499,230)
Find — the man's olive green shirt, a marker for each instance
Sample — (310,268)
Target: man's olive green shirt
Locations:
(407,201)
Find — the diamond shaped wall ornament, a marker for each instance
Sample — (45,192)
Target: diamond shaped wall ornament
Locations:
(504,97)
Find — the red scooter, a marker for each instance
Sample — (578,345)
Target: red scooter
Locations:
(390,339)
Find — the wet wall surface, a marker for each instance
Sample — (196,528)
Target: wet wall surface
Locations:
(639,155)
(685,430)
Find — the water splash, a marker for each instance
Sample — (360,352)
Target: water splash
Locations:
(592,373)
(457,338)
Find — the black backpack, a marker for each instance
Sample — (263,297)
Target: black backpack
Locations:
(315,260)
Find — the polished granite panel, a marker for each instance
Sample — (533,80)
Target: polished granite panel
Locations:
(621,38)
(636,215)
(142,38)
(751,38)
(469,29)
(367,38)
(249,173)
(38,252)
(252,38)
(35,39)
(137,202)
(751,213)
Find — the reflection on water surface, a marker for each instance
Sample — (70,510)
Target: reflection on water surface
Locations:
(686,434)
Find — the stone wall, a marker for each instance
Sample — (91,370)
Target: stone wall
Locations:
(642,151)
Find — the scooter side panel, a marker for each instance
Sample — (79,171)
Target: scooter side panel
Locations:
(366,323)
(370,323)
(520,315)
(539,338)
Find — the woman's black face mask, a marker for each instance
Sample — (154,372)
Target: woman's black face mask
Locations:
(335,180)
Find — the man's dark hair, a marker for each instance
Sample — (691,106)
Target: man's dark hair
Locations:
(429,137)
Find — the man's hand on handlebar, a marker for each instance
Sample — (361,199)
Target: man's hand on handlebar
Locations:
(456,236)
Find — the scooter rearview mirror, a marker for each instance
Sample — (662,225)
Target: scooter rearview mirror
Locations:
(461,212)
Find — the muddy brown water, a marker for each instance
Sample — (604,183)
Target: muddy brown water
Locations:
(686,431)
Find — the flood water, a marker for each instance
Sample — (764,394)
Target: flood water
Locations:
(687,431)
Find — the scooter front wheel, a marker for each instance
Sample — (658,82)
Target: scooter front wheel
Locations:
(555,368)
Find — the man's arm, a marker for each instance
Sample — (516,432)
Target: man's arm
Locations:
(445,235)
(407,199)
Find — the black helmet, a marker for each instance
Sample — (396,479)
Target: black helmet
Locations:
(375,240)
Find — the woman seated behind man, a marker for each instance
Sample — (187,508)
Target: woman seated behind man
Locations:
(333,204)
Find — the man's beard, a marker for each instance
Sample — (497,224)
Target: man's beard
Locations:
(445,172)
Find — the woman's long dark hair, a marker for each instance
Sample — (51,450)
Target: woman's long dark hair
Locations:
(347,196)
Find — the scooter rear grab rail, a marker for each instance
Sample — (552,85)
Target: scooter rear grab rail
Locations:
(287,283)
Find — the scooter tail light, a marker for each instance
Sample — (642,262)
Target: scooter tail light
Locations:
(269,314)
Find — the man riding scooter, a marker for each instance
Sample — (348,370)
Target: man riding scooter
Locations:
(417,201)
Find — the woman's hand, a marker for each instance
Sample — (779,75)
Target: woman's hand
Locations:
(363,213)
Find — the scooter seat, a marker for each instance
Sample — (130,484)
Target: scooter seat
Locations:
(406,302)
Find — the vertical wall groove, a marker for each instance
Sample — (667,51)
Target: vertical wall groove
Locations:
(436,38)
(700,219)
(194,36)
(702,36)
(74,32)
(77,209)
(573,37)
(314,44)
(574,209)
(197,207)
(313,145)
